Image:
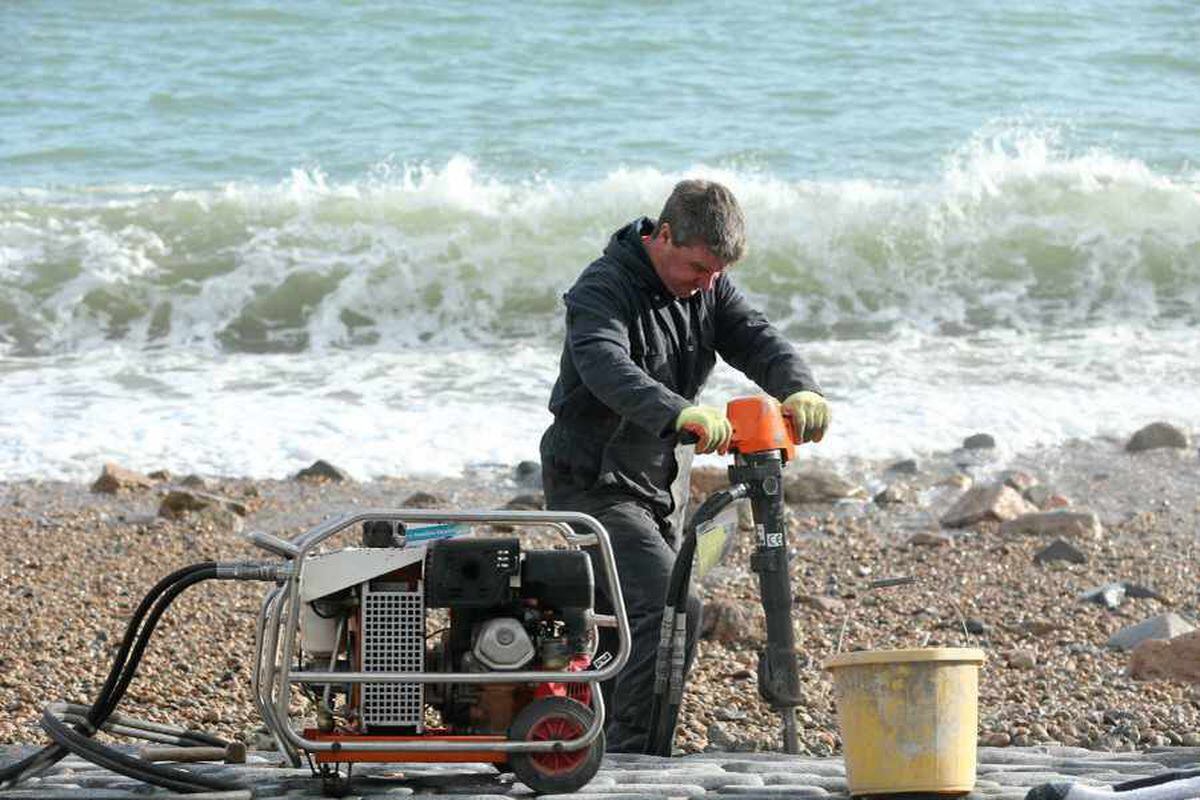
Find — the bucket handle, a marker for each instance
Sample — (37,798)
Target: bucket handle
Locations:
(903,580)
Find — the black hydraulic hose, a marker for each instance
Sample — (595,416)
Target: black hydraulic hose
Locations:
(668,685)
(51,754)
(172,778)
(207,572)
(1155,780)
(124,667)
(131,630)
(681,575)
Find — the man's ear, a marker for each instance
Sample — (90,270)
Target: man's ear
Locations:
(664,233)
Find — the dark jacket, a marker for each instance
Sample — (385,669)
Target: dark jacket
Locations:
(634,357)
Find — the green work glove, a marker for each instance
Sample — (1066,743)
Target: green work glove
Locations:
(809,414)
(709,425)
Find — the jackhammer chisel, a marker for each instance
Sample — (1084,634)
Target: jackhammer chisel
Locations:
(762,445)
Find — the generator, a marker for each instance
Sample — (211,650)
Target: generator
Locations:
(426,642)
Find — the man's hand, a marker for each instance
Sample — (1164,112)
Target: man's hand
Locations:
(709,425)
(809,414)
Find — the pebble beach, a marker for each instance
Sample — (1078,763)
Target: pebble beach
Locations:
(75,562)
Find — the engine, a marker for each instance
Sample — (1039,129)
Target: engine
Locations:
(455,604)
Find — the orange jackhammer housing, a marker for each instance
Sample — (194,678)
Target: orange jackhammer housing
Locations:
(759,426)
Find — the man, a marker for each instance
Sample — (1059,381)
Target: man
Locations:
(645,323)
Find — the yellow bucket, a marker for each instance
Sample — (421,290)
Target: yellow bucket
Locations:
(909,718)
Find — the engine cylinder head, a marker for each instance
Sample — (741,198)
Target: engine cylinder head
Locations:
(502,643)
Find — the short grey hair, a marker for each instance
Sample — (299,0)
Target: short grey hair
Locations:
(705,212)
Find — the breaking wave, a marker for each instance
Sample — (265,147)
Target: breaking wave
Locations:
(1013,233)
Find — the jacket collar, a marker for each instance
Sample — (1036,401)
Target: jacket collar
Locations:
(626,248)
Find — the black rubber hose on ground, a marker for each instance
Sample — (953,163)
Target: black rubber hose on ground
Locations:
(79,741)
(1155,780)
(172,778)
(123,725)
(664,712)
(137,636)
(53,753)
(207,572)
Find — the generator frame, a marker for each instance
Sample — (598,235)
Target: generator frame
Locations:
(278,623)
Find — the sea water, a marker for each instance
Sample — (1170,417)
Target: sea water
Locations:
(235,238)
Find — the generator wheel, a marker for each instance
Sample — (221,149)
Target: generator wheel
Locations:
(550,718)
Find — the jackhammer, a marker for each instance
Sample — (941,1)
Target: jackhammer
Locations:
(763,443)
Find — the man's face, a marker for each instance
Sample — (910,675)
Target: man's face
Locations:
(684,270)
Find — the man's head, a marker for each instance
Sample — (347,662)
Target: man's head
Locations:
(699,234)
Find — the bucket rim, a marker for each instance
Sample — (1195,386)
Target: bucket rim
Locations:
(963,655)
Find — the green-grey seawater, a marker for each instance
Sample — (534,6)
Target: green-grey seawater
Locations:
(235,237)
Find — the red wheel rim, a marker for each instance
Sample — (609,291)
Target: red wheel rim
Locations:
(561,728)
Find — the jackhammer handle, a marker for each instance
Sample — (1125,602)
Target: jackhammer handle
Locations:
(234,753)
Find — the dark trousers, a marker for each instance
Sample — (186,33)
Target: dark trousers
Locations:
(644,546)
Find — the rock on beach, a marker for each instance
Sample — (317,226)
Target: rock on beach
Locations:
(115,478)
(1156,435)
(1069,524)
(994,502)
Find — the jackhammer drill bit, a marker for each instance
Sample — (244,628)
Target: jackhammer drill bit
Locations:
(778,672)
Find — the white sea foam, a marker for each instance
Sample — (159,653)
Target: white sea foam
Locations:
(438,410)
(1012,234)
(409,322)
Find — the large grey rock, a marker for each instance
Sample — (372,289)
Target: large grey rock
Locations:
(1164,626)
(1060,550)
(424,500)
(1070,524)
(115,478)
(528,473)
(1176,659)
(994,502)
(322,470)
(819,486)
(979,441)
(1158,434)
(179,502)
(195,482)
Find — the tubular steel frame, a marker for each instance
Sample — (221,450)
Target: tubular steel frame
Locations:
(278,621)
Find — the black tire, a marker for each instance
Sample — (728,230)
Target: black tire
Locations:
(555,772)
